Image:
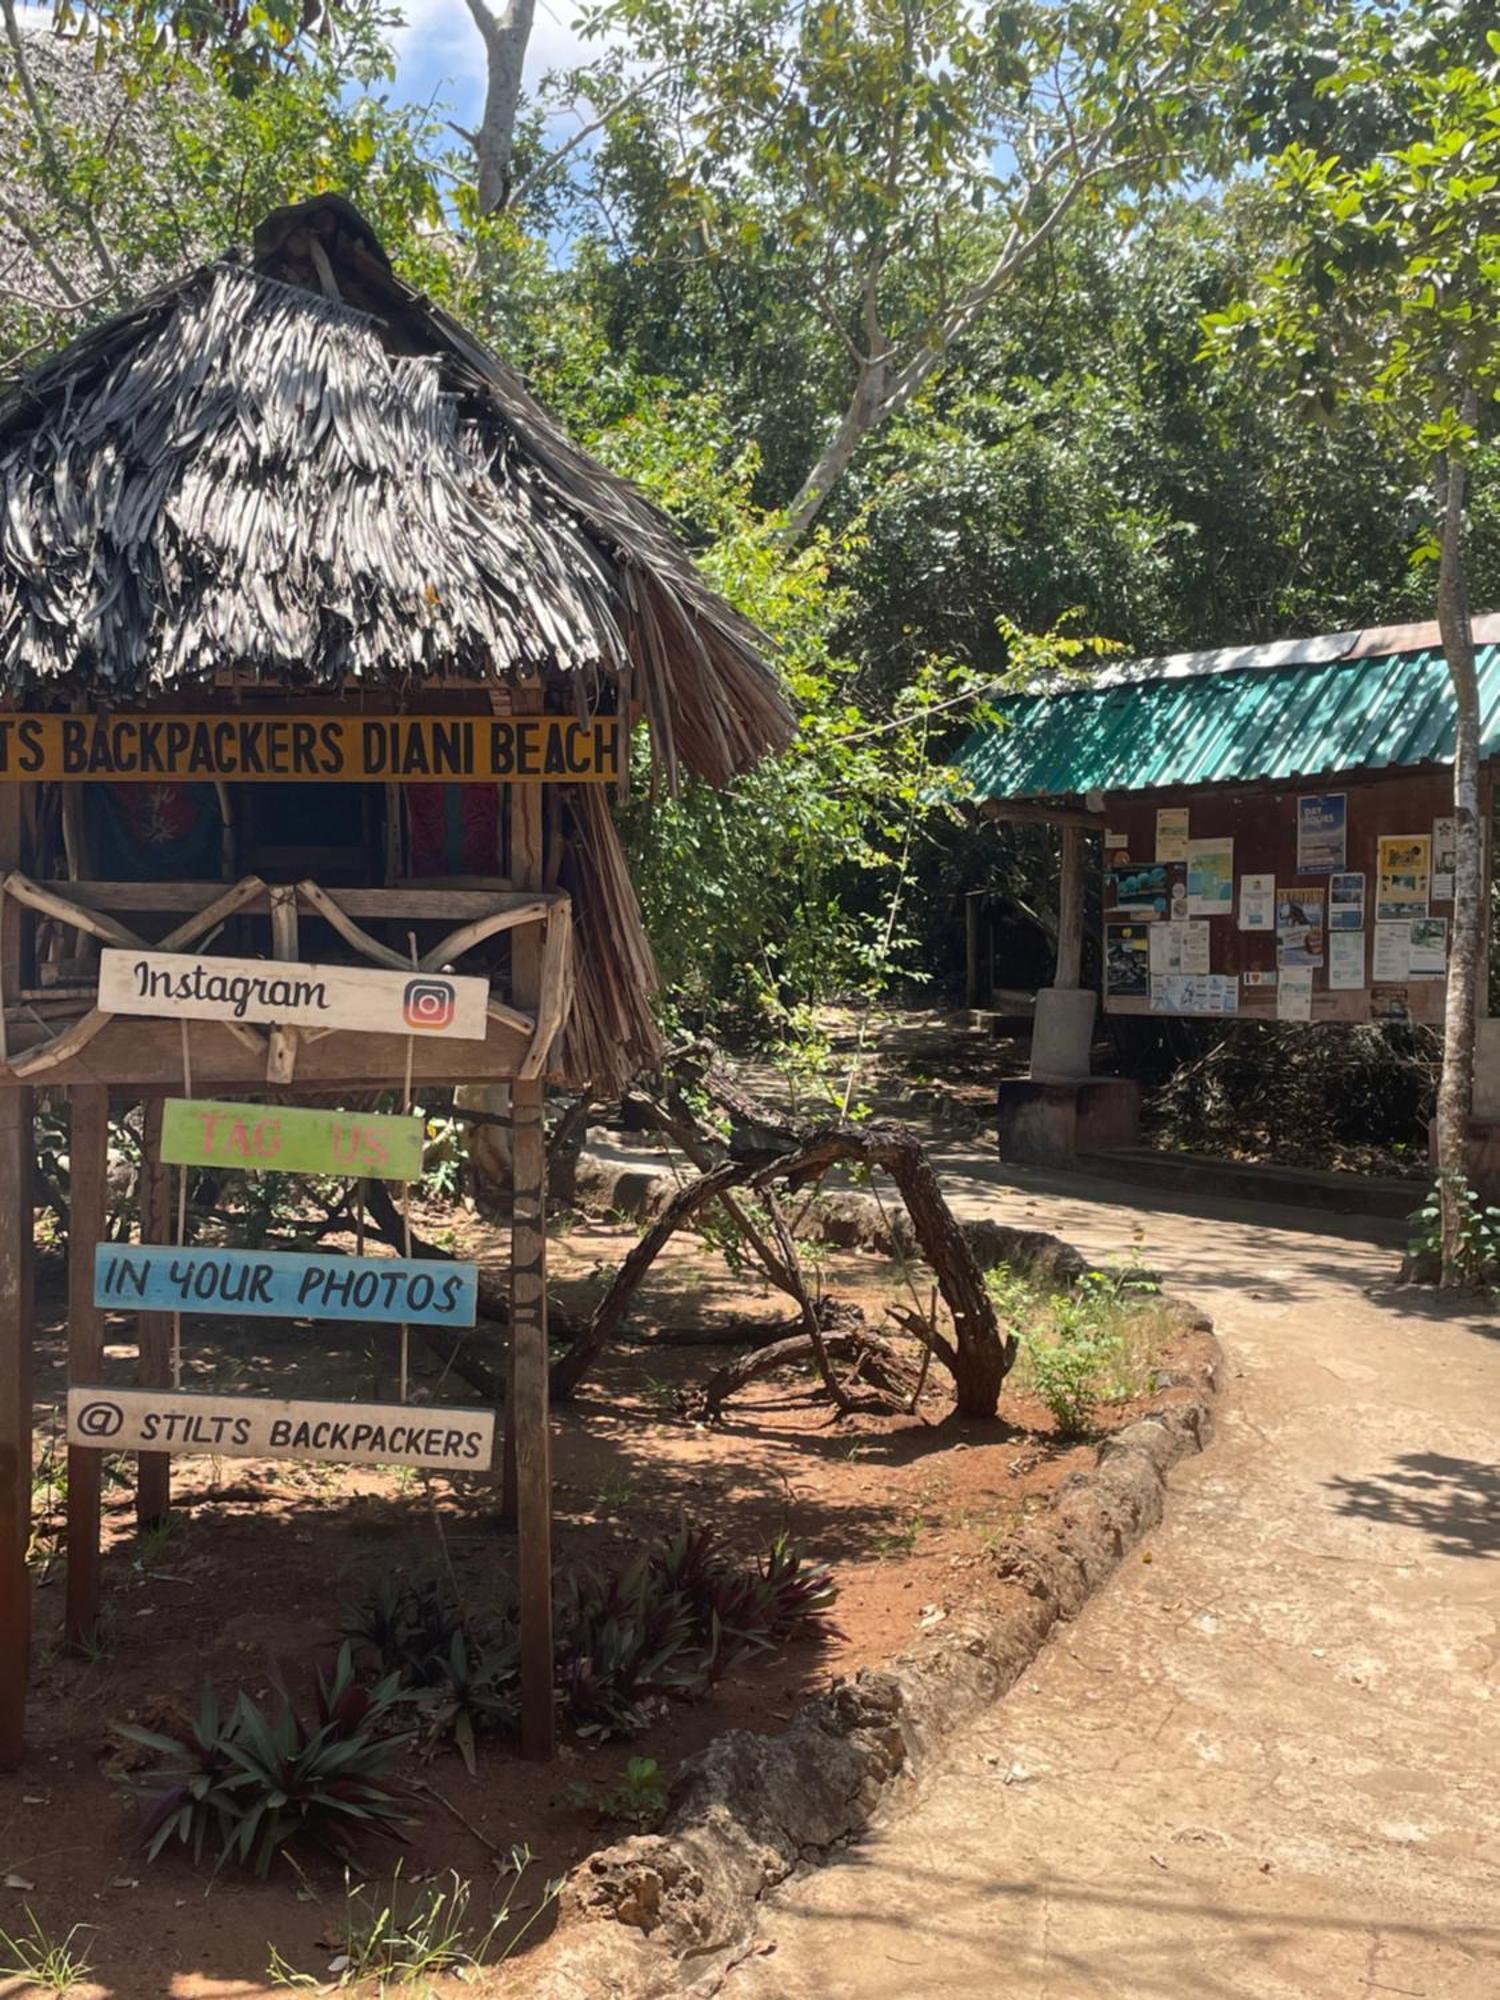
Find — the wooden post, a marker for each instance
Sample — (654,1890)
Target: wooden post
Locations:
(527,1419)
(528,1444)
(15,1418)
(153,1367)
(88,1203)
(16,1226)
(1070,909)
(973,978)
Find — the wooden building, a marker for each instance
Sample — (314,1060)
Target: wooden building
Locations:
(1265,832)
(319,641)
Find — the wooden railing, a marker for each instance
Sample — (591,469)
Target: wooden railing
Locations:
(203,908)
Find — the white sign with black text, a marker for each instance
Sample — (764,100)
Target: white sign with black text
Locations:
(366,999)
(175,1420)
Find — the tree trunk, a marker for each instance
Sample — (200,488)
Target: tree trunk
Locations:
(865,412)
(505,36)
(1455,1089)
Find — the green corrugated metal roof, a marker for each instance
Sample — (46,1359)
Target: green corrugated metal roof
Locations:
(1219,728)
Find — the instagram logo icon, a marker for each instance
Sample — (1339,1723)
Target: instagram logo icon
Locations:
(429,1004)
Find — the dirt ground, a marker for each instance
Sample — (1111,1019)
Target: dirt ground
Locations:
(1262,1764)
(261,1562)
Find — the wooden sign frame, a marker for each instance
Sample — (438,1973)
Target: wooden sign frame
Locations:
(285,1284)
(354,999)
(187,1420)
(62,1038)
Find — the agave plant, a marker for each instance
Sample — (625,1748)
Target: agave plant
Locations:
(472,1692)
(800,1592)
(191,1785)
(410,1627)
(626,1642)
(258,1783)
(328,1780)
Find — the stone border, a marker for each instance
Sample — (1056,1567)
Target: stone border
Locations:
(655,1914)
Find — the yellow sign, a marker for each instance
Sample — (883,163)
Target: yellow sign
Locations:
(248,748)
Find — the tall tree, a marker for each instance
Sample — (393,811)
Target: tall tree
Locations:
(1390,296)
(133,153)
(898,164)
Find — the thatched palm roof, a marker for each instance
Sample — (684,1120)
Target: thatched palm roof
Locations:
(294,468)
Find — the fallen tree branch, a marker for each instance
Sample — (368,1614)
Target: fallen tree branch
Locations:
(604,1322)
(872,1359)
(978,1356)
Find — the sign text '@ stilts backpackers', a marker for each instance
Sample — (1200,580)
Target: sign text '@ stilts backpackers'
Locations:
(244,747)
(287,1139)
(363,999)
(175,1420)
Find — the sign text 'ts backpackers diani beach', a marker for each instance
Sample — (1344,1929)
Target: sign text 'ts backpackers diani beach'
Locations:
(284,1139)
(249,748)
(250,1427)
(284,1284)
(363,999)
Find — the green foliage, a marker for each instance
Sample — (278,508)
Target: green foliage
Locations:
(132,166)
(255,1783)
(638,1799)
(675,1621)
(461,1687)
(1387,289)
(871,178)
(45,1964)
(1478,1236)
(1087,1345)
(779,894)
(404,1934)
(1066,1373)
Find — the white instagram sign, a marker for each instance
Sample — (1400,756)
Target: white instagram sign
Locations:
(365,1000)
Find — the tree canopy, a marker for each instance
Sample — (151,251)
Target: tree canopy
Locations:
(899,311)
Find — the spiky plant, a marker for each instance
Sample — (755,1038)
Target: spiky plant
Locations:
(190,1787)
(257,1782)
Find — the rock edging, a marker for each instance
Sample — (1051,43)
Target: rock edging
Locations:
(653,1914)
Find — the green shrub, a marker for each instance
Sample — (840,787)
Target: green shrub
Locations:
(1067,1373)
(256,1783)
(461,1688)
(1479,1237)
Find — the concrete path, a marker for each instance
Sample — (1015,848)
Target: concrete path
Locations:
(1265,1761)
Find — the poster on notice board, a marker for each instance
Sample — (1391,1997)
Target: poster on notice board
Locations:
(1322,834)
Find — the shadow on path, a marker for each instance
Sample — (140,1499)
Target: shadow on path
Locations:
(1454,1500)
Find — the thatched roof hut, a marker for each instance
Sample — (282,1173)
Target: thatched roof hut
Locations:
(291,470)
(297,469)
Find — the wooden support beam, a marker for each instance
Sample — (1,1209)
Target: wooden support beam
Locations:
(282,1059)
(528,1415)
(1032,811)
(15,1419)
(17,1155)
(438,903)
(976,990)
(528,1443)
(153,1366)
(1070,909)
(131,1051)
(88,1208)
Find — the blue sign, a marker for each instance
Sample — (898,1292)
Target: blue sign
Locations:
(284,1284)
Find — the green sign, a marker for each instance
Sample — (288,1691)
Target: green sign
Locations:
(282,1139)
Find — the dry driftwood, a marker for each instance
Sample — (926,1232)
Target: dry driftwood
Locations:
(978,1356)
(873,1361)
